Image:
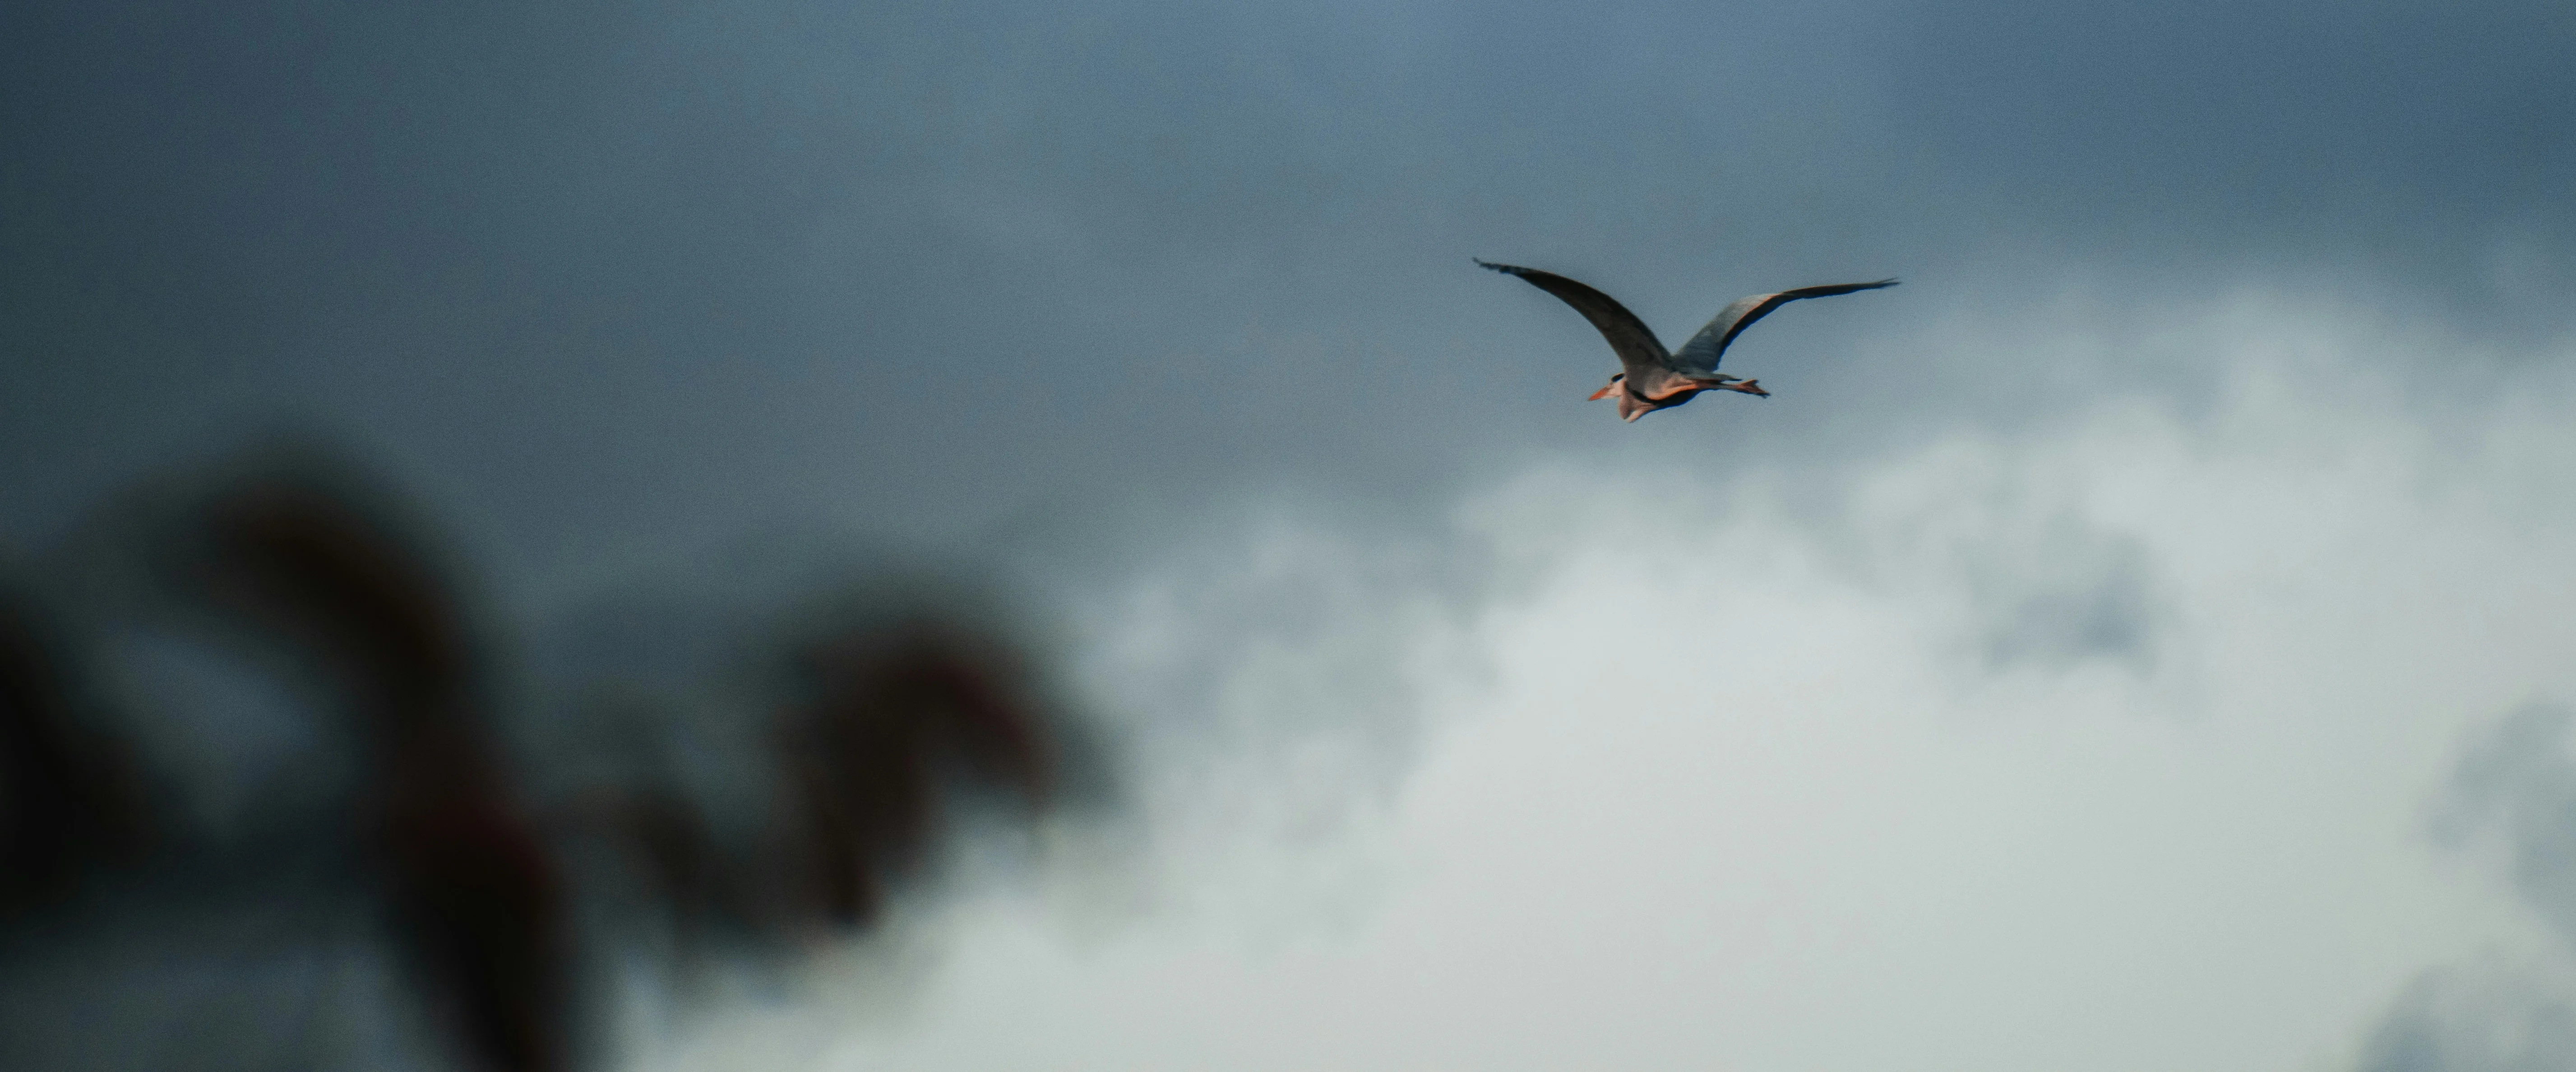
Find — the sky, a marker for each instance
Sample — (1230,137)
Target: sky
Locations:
(2136,642)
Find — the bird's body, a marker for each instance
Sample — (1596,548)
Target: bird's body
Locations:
(1651,377)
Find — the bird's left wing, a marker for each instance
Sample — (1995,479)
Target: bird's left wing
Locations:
(1636,344)
(1701,353)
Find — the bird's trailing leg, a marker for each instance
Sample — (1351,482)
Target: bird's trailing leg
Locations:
(1730,385)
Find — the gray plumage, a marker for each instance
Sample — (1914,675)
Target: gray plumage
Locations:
(1651,377)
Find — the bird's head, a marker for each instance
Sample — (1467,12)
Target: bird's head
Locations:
(1617,381)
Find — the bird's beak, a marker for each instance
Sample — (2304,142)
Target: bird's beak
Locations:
(1604,392)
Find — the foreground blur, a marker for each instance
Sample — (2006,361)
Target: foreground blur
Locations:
(261,803)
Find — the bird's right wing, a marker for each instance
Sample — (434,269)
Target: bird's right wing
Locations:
(1637,346)
(1702,352)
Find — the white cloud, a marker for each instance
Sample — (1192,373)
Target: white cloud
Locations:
(2109,740)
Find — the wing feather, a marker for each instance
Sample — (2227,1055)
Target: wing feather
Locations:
(1637,346)
(1702,352)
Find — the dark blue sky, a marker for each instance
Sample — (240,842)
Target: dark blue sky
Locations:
(642,276)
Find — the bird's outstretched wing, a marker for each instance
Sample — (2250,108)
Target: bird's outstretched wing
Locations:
(1701,353)
(1637,346)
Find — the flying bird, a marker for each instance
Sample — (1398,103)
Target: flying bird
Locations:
(1650,377)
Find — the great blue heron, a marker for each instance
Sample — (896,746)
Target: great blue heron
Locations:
(1652,378)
